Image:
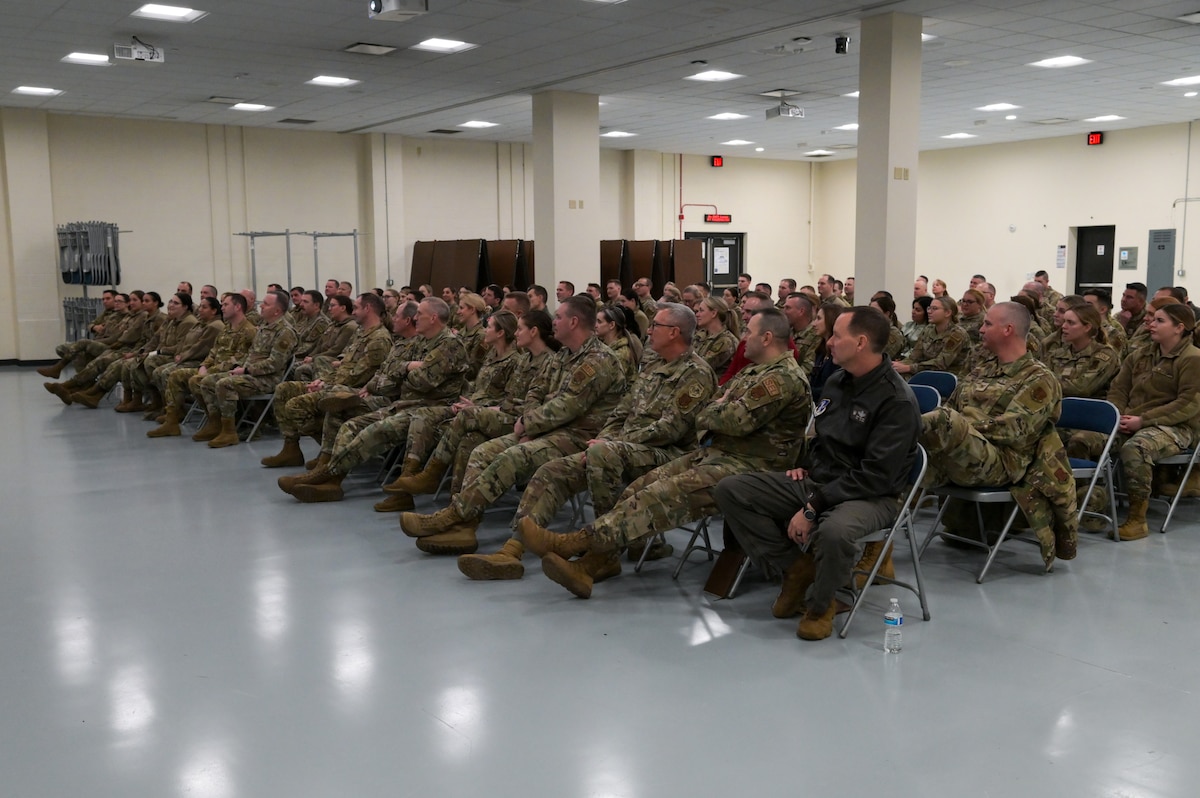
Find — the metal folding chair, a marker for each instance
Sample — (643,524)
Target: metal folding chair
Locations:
(1187,459)
(1094,415)
(942,381)
(888,538)
(928,397)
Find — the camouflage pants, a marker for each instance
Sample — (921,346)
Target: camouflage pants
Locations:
(141,378)
(470,428)
(1137,452)
(296,408)
(958,454)
(602,469)
(363,437)
(80,352)
(195,386)
(307,372)
(162,374)
(500,464)
(97,366)
(114,372)
(425,430)
(223,392)
(671,495)
(179,387)
(333,422)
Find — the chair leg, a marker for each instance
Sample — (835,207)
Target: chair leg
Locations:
(1012,517)
(1178,494)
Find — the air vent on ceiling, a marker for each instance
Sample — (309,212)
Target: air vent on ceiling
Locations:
(818,155)
(224,100)
(843,146)
(779,93)
(363,48)
(1191,19)
(445,132)
(1054,120)
(297,121)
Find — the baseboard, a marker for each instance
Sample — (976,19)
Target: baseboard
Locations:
(15,362)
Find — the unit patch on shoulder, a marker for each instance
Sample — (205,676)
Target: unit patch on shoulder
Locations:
(685,399)
(582,376)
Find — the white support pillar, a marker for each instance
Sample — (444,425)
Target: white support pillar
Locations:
(889,118)
(566,187)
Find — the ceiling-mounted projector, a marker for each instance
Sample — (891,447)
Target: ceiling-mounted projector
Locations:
(397,10)
(785,111)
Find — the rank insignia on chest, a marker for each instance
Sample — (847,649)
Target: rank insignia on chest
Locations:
(858,414)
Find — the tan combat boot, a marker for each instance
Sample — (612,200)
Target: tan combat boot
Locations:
(210,430)
(170,426)
(817,624)
(416,525)
(659,550)
(398,503)
(411,468)
(289,456)
(425,481)
(504,564)
(89,397)
(796,581)
(1191,488)
(1135,527)
(458,539)
(155,405)
(60,390)
(578,576)
(871,552)
(54,371)
(541,541)
(321,459)
(228,435)
(329,490)
(315,477)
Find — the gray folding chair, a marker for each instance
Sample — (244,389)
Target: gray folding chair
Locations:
(1094,415)
(1187,459)
(888,538)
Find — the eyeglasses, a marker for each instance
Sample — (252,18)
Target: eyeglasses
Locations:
(654,324)
(968,302)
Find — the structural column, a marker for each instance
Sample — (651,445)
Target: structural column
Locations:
(889,118)
(566,187)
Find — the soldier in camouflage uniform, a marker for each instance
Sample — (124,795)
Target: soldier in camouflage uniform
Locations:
(589,385)
(309,323)
(194,347)
(989,429)
(104,329)
(132,371)
(805,335)
(334,340)
(653,424)
(1083,360)
(227,351)
(716,340)
(942,346)
(1158,393)
(134,332)
(265,365)
(470,329)
(971,308)
(757,424)
(452,443)
(438,378)
(490,385)
(297,404)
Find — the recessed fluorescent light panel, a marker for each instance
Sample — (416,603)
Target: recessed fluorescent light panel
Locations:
(168,13)
(1192,81)
(727,116)
(819,152)
(330,80)
(606,2)
(759,149)
(617,134)
(736,142)
(850,126)
(37,91)
(479,124)
(1011,117)
(998,107)
(960,136)
(1189,94)
(853,94)
(1105,118)
(443,46)
(1061,61)
(252,107)
(927,36)
(714,76)
(87,59)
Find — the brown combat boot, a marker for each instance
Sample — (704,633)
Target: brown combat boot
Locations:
(399,503)
(54,371)
(170,425)
(541,541)
(1135,527)
(89,397)
(416,525)
(410,468)
(155,405)
(578,576)
(59,390)
(329,490)
(315,477)
(126,401)
(1191,488)
(422,482)
(659,549)
(817,624)
(289,456)
(228,436)
(796,581)
(340,402)
(315,463)
(504,564)
(871,552)
(210,430)
(457,540)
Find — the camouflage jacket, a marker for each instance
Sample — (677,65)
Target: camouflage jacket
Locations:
(1011,405)
(1086,373)
(135,333)
(389,377)
(1163,389)
(363,356)
(335,339)
(442,375)
(896,342)
(660,407)
(944,351)
(627,354)
(309,332)
(529,382)
(170,336)
(272,349)
(476,349)
(231,347)
(717,350)
(762,416)
(493,378)
(971,325)
(583,392)
(198,341)
(806,342)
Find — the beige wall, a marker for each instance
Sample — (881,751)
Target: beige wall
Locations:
(969,197)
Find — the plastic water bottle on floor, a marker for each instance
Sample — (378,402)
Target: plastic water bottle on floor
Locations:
(893,619)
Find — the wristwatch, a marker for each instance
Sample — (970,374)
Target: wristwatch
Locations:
(809,513)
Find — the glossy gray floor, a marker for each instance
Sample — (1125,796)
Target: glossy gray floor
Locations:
(173,624)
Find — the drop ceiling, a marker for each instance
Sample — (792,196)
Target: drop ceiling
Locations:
(634,55)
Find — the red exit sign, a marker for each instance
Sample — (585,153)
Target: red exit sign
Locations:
(718,218)
(1095,138)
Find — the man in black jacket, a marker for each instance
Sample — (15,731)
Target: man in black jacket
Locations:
(847,487)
